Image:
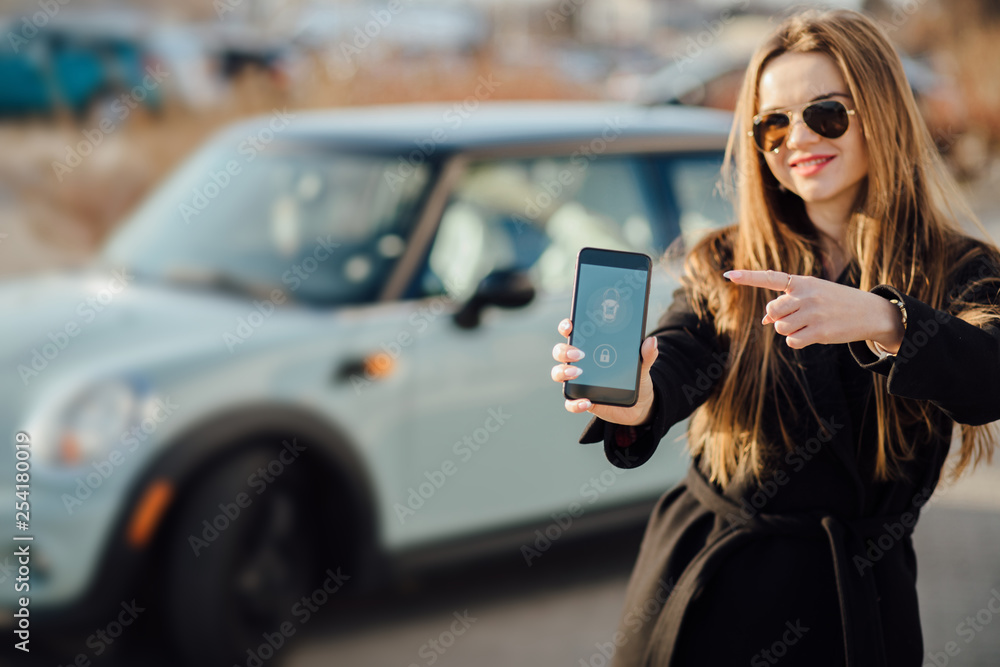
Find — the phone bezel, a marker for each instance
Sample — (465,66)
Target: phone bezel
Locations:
(614,259)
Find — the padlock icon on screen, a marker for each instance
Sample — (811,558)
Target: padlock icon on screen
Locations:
(605,356)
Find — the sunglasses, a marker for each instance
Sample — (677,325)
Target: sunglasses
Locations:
(827,118)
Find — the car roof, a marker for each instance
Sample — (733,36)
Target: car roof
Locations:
(448,127)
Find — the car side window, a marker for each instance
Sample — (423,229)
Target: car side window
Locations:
(688,185)
(535,215)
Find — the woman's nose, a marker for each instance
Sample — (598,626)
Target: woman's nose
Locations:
(799,134)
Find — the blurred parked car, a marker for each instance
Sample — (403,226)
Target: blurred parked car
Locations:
(234,48)
(323,347)
(73,62)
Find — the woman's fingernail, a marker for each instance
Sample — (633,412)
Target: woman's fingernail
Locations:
(731,275)
(575,355)
(585,404)
(572,372)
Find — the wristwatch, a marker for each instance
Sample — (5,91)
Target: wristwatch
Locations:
(882,352)
(902,310)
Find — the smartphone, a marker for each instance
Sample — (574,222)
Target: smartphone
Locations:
(610,298)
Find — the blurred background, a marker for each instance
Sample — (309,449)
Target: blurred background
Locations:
(230,61)
(101,101)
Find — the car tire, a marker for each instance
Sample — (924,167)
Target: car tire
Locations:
(250,568)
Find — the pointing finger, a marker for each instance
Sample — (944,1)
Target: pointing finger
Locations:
(770,279)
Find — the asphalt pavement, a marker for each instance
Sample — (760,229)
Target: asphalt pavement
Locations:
(563,609)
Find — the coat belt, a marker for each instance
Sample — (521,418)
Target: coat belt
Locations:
(862,633)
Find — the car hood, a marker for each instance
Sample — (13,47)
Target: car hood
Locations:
(140,321)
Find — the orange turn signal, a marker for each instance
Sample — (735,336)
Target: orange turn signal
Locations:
(379,365)
(148,513)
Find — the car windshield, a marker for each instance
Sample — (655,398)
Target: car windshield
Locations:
(324,226)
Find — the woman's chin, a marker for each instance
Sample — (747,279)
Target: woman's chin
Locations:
(818,194)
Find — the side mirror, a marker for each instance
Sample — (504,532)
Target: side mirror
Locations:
(508,288)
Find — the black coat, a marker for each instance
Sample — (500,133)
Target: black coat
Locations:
(817,562)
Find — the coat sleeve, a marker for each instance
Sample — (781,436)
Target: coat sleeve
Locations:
(943,359)
(689,361)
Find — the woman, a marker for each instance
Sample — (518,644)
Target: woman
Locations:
(824,346)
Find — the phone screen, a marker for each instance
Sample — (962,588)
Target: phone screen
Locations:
(608,321)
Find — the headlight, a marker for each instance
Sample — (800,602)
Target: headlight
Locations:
(90,424)
(95,421)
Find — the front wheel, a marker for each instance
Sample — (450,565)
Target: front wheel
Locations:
(242,554)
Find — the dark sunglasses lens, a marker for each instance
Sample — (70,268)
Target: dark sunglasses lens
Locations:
(770,131)
(827,118)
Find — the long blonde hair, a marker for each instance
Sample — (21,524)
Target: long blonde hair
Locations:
(903,233)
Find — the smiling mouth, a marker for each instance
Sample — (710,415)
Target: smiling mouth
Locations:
(813,162)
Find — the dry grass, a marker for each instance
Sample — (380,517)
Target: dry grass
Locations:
(95,195)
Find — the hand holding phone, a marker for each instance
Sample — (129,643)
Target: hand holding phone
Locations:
(633,415)
(610,299)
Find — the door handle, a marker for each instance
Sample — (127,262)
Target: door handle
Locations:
(347,369)
(368,368)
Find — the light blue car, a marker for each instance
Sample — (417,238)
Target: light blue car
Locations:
(319,355)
